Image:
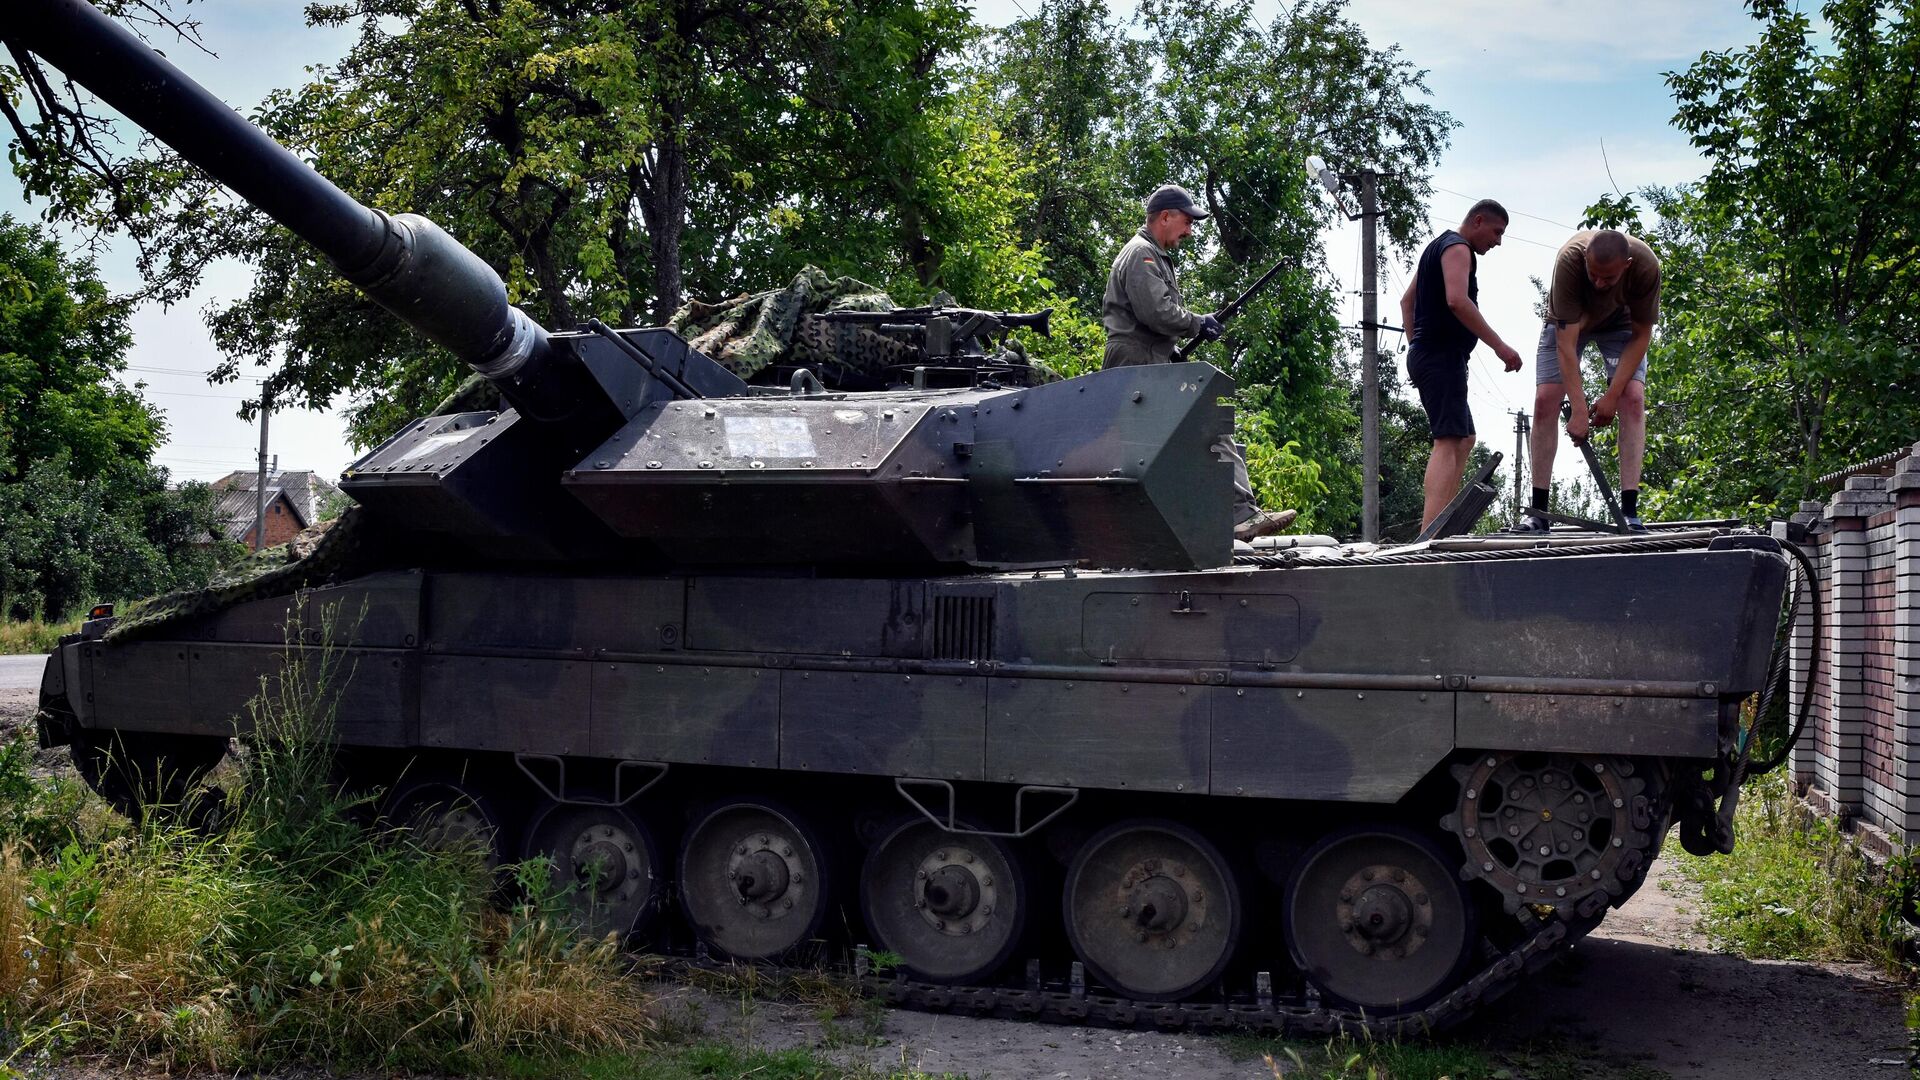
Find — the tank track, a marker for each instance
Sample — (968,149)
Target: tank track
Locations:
(1262,1013)
(1550,926)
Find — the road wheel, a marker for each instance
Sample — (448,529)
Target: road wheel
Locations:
(1152,909)
(605,866)
(953,906)
(754,880)
(1376,917)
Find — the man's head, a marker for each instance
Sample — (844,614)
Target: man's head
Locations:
(1171,212)
(1608,257)
(1484,225)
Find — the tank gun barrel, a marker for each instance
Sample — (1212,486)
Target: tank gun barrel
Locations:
(407,264)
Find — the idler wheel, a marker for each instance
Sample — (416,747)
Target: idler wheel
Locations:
(606,866)
(1560,830)
(1376,917)
(952,905)
(753,881)
(1153,909)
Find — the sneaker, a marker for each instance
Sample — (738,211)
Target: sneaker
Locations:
(1531,524)
(1264,523)
(1635,525)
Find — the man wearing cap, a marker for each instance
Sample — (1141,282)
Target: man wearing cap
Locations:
(1145,318)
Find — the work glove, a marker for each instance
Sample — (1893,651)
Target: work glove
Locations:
(1210,328)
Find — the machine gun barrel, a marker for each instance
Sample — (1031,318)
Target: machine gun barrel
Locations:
(899,320)
(407,264)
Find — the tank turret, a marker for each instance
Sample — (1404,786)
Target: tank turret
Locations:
(624,444)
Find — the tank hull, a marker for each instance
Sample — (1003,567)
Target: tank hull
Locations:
(1269,710)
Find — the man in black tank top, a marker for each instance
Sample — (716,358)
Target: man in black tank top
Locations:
(1441,311)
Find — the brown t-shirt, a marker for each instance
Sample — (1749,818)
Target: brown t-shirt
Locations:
(1573,299)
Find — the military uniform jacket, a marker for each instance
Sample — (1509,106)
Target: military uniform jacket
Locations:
(1142,311)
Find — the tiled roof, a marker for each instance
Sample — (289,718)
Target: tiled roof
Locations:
(305,491)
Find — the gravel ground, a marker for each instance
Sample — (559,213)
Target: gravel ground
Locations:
(1642,998)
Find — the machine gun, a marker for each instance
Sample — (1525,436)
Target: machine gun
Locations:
(954,339)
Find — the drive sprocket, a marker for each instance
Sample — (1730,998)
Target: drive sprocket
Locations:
(1565,831)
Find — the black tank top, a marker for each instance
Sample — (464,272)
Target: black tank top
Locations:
(1435,328)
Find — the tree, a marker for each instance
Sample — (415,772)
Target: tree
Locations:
(83,515)
(1231,106)
(62,339)
(1792,269)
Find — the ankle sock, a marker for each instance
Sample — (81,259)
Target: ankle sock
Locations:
(1629,501)
(1539,499)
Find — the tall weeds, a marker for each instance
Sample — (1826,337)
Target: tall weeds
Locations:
(1798,887)
(290,932)
(33,636)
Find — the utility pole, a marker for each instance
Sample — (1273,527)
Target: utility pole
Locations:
(1369,359)
(1369,219)
(1521,426)
(260,482)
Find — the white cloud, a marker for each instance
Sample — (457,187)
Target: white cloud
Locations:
(1552,40)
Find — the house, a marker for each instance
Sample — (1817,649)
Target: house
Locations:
(295,500)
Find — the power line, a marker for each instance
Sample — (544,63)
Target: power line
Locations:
(209,397)
(1510,210)
(187,372)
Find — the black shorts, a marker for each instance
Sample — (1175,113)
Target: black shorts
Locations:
(1441,379)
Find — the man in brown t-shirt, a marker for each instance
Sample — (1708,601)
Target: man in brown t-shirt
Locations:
(1605,290)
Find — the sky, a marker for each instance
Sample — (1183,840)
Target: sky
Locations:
(1557,104)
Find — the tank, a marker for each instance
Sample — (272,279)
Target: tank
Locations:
(972,678)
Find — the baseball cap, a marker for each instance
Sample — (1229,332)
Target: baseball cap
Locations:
(1174,197)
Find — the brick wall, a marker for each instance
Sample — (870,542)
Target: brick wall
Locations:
(1879,761)
(1861,756)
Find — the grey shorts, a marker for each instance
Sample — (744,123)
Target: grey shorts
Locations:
(1612,337)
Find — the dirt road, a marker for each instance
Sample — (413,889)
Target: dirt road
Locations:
(1641,999)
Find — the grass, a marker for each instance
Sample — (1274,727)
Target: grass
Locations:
(33,636)
(290,934)
(1799,888)
(1360,1057)
(710,1059)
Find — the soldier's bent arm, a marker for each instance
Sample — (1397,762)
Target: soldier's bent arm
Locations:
(1630,357)
(1154,304)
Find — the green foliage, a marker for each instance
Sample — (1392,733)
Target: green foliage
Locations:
(33,635)
(291,934)
(1213,97)
(1792,269)
(1280,476)
(83,516)
(62,339)
(33,811)
(1798,888)
(69,540)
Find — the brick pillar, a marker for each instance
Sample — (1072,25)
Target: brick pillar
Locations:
(1904,488)
(1846,629)
(1801,646)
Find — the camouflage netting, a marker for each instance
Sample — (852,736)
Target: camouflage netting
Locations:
(776,329)
(330,551)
